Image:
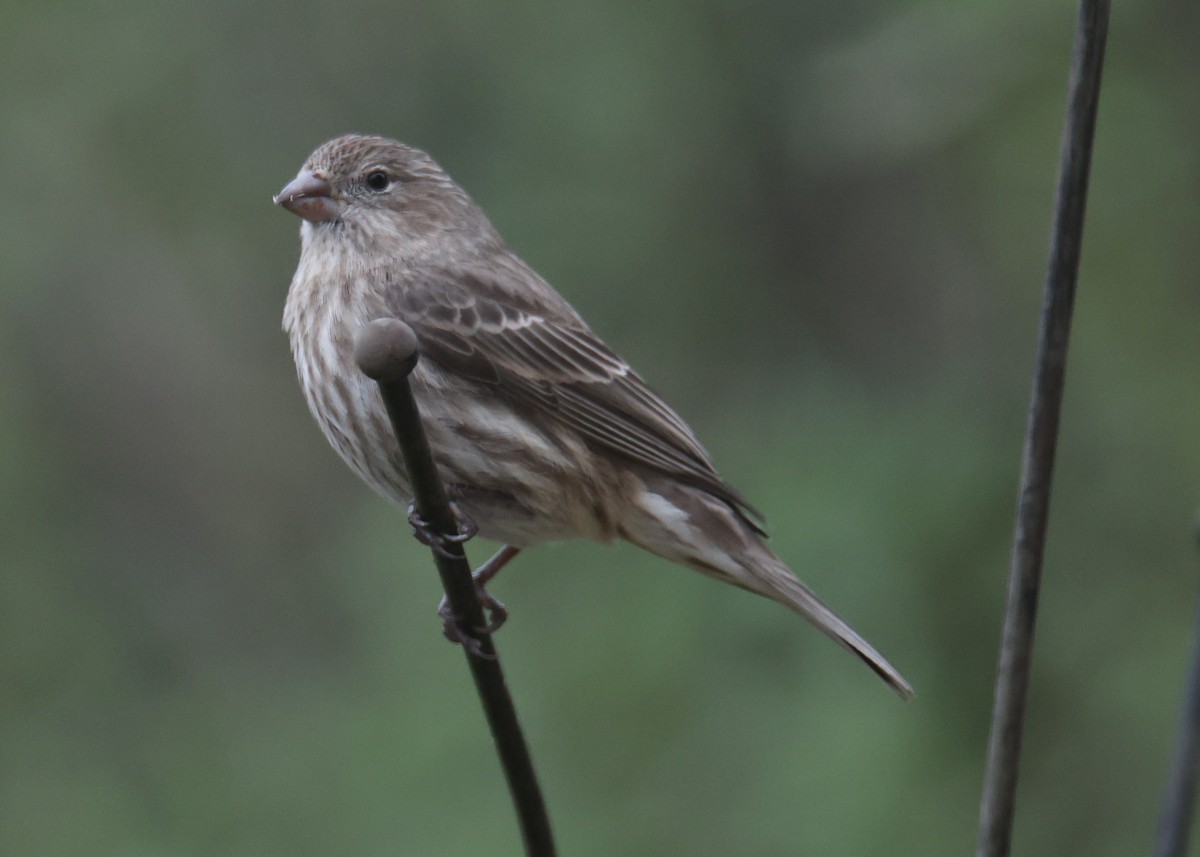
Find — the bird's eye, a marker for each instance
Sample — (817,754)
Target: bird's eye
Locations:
(377,180)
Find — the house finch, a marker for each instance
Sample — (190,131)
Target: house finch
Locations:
(540,431)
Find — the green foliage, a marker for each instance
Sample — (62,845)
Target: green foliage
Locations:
(819,229)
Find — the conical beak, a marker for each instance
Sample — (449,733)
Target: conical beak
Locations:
(310,196)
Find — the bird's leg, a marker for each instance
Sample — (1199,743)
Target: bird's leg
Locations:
(425,534)
(497,612)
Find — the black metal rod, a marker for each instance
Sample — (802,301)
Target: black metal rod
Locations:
(1179,805)
(1016,649)
(386,351)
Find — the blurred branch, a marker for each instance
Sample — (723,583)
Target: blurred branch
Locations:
(386,351)
(1175,824)
(1016,648)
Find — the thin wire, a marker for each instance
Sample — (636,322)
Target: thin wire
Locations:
(998,804)
(386,351)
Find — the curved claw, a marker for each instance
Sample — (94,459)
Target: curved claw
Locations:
(497,615)
(453,631)
(424,533)
(497,612)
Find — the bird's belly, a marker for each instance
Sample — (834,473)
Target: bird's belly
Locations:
(517,482)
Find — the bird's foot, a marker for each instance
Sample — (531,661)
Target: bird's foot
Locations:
(452,627)
(426,535)
(497,613)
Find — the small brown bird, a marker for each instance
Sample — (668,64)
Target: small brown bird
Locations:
(540,431)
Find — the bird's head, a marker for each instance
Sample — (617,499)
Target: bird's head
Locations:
(375,187)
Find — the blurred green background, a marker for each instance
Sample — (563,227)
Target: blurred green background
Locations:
(818,228)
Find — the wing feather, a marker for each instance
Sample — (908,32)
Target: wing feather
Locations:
(530,346)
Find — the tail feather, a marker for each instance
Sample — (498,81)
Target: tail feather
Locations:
(694,528)
(778,583)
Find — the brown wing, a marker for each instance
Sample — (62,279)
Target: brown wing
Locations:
(504,327)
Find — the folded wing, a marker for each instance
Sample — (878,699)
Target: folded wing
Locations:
(533,349)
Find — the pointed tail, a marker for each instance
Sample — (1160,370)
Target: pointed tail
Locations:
(697,529)
(776,581)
